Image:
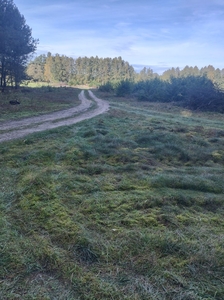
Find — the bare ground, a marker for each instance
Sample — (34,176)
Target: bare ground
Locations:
(21,128)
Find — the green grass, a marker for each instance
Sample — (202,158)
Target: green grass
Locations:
(128,205)
(36,101)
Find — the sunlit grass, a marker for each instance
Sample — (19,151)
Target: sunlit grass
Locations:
(128,205)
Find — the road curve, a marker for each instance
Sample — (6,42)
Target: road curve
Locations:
(21,128)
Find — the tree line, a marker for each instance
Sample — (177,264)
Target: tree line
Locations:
(215,75)
(95,70)
(83,70)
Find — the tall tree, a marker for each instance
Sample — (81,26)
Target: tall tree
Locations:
(35,69)
(16,44)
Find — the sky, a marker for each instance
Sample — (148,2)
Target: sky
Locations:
(159,34)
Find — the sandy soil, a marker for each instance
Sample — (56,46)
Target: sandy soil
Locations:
(21,128)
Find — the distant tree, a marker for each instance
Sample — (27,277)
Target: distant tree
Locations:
(173,72)
(35,72)
(48,76)
(210,72)
(16,44)
(145,74)
(187,71)
(196,71)
(35,69)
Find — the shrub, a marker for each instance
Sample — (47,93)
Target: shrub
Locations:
(124,88)
(107,87)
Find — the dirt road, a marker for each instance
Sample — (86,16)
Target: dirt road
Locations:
(16,129)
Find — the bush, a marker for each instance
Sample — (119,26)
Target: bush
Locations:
(194,92)
(154,90)
(107,87)
(197,92)
(124,88)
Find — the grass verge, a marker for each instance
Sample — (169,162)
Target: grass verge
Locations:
(36,101)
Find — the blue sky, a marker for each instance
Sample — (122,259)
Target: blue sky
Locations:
(155,33)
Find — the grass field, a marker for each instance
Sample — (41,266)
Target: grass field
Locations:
(36,101)
(128,205)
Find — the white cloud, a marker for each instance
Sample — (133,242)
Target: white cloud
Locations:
(143,32)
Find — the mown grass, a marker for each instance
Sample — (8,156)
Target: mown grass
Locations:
(128,205)
(36,101)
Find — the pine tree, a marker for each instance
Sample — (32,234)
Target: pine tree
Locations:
(16,44)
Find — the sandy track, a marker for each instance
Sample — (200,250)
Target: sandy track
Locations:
(21,128)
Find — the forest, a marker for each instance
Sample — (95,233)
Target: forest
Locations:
(83,70)
(197,89)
